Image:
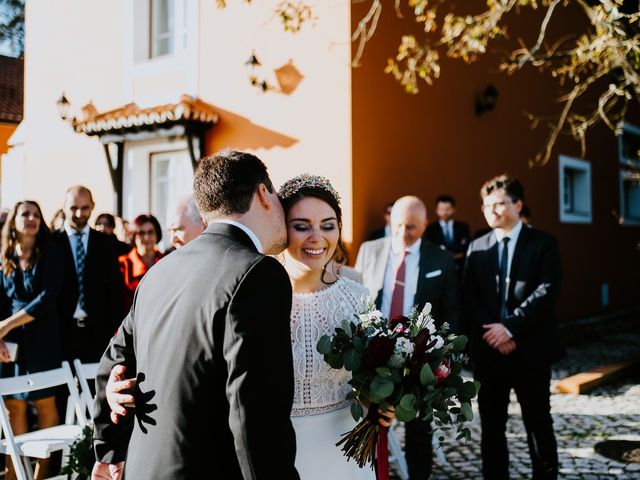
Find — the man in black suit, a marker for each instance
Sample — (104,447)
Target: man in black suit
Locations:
(511,283)
(91,297)
(447,231)
(209,339)
(386,230)
(401,272)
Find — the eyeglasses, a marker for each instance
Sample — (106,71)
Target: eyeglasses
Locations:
(496,206)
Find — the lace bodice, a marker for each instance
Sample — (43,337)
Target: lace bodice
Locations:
(318,387)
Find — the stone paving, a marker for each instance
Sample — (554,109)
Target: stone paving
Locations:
(581,421)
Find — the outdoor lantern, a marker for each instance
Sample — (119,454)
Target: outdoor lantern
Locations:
(486,101)
(63,106)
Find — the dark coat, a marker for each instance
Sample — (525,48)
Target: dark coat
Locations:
(209,338)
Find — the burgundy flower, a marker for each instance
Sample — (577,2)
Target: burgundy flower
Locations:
(378,352)
(399,320)
(442,371)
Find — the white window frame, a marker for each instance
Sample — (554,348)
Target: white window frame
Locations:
(627,167)
(170,35)
(583,167)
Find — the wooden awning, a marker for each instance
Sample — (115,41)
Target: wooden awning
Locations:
(131,119)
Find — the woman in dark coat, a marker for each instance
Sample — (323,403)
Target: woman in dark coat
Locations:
(32,269)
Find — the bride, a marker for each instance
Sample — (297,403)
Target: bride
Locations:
(322,298)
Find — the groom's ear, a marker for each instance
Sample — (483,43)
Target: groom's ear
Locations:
(262,194)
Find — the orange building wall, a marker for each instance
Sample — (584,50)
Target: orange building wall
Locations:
(6,130)
(433,143)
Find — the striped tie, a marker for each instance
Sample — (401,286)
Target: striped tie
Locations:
(80,258)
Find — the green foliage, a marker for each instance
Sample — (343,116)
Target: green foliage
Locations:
(81,456)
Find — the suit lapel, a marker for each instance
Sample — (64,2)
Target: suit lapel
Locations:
(425,266)
(381,257)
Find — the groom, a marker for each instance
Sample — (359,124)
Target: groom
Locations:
(208,337)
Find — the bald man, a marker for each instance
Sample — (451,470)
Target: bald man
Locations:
(403,271)
(90,302)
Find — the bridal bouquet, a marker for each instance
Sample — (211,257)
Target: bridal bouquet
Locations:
(404,362)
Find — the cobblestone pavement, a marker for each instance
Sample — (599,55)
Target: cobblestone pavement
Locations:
(581,421)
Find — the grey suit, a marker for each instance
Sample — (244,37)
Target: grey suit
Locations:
(438,285)
(209,338)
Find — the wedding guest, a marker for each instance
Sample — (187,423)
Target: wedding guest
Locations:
(448,231)
(186,225)
(106,223)
(29,289)
(511,284)
(147,233)
(404,271)
(57,222)
(386,230)
(91,297)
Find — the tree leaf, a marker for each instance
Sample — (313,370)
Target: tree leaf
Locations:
(426,375)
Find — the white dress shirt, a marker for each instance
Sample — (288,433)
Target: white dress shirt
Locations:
(73,241)
(447,230)
(511,246)
(412,270)
(245,229)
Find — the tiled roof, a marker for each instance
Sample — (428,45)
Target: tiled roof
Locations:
(131,116)
(11,89)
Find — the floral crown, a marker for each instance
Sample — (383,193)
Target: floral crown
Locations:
(293,186)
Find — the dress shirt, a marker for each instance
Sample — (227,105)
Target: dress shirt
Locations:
(73,240)
(245,229)
(447,230)
(511,247)
(412,270)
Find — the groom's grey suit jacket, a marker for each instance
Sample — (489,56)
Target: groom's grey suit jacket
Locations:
(437,277)
(209,339)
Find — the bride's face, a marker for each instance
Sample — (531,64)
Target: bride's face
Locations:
(313,232)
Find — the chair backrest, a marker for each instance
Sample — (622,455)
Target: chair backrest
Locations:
(30,383)
(84,373)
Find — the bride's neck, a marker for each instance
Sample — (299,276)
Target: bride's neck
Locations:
(303,279)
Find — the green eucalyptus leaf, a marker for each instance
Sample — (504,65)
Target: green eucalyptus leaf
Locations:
(356,411)
(324,345)
(459,343)
(358,344)
(352,360)
(384,372)
(409,402)
(467,412)
(334,360)
(346,326)
(382,387)
(426,375)
(467,391)
(404,414)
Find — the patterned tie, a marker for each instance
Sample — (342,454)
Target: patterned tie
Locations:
(80,258)
(502,282)
(397,299)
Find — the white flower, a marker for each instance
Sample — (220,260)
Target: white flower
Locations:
(403,346)
(396,360)
(369,318)
(439,343)
(426,310)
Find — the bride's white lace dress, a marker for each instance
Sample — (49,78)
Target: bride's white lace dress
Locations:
(321,413)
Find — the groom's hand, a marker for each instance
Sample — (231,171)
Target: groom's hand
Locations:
(496,334)
(107,471)
(114,388)
(507,347)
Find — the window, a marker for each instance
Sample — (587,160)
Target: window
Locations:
(629,156)
(171,179)
(162,28)
(575,190)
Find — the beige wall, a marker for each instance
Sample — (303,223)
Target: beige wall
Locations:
(307,131)
(75,47)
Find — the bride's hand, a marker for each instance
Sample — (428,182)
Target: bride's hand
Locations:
(387,418)
(117,400)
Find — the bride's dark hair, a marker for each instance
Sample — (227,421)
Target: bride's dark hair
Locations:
(339,257)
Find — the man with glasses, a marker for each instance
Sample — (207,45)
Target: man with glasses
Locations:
(511,283)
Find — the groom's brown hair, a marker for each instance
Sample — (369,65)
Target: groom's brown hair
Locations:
(224,183)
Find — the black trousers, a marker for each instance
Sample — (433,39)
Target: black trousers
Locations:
(531,386)
(418,449)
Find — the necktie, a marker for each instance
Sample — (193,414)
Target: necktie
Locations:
(80,259)
(502,282)
(397,299)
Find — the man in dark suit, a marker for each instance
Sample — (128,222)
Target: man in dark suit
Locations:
(511,283)
(91,297)
(386,230)
(447,231)
(209,339)
(404,271)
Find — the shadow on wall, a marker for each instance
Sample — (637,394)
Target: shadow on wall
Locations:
(241,133)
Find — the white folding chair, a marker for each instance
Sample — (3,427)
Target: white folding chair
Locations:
(39,443)
(396,455)
(84,373)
